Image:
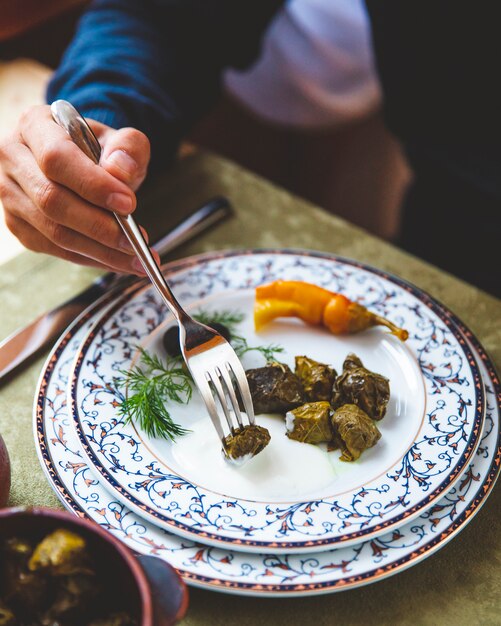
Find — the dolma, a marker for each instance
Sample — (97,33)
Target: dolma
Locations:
(17,552)
(7,617)
(23,590)
(317,378)
(73,595)
(246,442)
(358,385)
(53,583)
(62,552)
(275,388)
(354,431)
(310,423)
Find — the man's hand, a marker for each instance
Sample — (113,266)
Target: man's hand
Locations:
(58,201)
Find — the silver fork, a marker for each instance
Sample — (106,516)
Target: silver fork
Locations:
(210,359)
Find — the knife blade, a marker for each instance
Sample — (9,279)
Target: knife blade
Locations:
(26,342)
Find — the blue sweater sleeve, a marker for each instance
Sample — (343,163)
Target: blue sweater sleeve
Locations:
(156,64)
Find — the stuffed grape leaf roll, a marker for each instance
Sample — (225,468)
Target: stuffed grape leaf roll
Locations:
(354,431)
(310,423)
(358,385)
(275,388)
(317,378)
(246,442)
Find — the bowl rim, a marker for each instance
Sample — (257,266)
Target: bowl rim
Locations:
(126,553)
(5,472)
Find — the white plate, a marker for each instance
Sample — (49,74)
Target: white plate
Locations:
(253,574)
(428,436)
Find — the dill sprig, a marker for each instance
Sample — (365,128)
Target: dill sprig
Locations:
(155,382)
(231,319)
(228,318)
(149,389)
(241,347)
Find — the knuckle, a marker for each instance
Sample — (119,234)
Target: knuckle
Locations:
(66,255)
(12,224)
(33,244)
(30,244)
(46,197)
(58,234)
(85,187)
(61,236)
(30,111)
(4,188)
(139,138)
(141,144)
(98,231)
(50,160)
(27,115)
(30,119)
(6,147)
(29,241)
(109,257)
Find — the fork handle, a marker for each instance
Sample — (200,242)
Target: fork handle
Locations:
(82,135)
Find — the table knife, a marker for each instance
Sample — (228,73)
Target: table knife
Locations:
(27,341)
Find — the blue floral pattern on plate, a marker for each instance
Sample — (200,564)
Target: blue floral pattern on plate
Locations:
(253,574)
(441,450)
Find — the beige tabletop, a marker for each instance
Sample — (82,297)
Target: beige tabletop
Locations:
(461,584)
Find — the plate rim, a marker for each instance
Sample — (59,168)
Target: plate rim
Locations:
(309,544)
(426,550)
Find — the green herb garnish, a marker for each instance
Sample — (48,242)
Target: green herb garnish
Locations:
(155,382)
(149,389)
(231,319)
(241,347)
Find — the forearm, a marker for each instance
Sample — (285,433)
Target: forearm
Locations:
(112,71)
(157,65)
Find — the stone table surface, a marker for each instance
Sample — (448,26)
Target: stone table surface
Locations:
(460,584)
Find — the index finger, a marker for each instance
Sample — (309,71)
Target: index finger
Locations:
(63,162)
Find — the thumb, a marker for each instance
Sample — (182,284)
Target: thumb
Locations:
(126,154)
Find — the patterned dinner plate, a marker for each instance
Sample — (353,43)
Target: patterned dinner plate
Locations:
(292,497)
(254,574)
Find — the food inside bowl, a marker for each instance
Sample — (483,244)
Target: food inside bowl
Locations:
(54,582)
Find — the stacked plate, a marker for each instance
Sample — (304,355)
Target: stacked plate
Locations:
(295,520)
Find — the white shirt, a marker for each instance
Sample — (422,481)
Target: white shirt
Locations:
(316,68)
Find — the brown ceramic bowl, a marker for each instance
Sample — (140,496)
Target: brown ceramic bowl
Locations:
(4,474)
(148,588)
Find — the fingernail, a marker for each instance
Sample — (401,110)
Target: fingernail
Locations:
(123,161)
(120,202)
(124,244)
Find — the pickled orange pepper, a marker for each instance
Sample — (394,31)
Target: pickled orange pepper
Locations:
(317,306)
